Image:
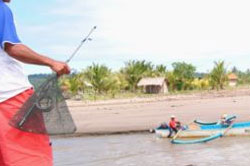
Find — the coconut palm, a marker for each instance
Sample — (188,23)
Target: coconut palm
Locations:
(135,70)
(121,81)
(73,83)
(218,76)
(100,77)
(171,80)
(160,70)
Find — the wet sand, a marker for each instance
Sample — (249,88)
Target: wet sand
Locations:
(141,114)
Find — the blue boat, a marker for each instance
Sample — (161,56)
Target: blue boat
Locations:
(199,122)
(205,131)
(197,141)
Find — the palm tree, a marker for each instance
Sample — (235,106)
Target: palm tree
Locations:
(135,70)
(100,77)
(73,83)
(218,75)
(171,81)
(160,70)
(122,83)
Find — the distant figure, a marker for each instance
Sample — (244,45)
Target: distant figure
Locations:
(225,120)
(174,126)
(163,126)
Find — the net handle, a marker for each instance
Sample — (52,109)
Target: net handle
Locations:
(80,45)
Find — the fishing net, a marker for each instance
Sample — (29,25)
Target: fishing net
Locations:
(45,112)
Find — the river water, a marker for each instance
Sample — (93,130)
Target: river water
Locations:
(147,150)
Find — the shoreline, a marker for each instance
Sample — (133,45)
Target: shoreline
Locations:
(206,94)
(136,115)
(75,135)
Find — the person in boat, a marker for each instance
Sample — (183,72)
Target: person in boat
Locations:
(18,148)
(163,125)
(174,126)
(225,120)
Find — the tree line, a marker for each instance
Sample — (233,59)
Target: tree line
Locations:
(99,79)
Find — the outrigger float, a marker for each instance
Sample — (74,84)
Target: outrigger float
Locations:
(199,122)
(203,133)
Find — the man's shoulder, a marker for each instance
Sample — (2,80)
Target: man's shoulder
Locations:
(4,8)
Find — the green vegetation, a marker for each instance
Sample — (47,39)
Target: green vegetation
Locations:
(184,75)
(100,82)
(244,77)
(134,71)
(218,76)
(37,79)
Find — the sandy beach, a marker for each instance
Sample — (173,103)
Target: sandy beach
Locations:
(141,114)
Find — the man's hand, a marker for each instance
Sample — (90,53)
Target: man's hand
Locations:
(60,68)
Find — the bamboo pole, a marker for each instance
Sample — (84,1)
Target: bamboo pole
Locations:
(178,133)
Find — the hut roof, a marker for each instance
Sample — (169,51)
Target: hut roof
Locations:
(151,81)
(232,76)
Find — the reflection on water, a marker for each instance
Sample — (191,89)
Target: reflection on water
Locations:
(146,150)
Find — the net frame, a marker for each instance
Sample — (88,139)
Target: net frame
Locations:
(46,111)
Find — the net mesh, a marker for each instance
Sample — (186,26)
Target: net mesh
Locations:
(45,112)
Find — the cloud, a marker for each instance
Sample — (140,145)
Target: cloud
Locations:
(162,31)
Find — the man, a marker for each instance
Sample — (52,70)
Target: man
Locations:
(173,126)
(18,148)
(226,120)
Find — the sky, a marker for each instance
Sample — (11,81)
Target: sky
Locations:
(162,31)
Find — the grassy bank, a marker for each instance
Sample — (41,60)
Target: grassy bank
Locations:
(131,95)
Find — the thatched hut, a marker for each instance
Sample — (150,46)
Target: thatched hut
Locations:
(233,79)
(154,85)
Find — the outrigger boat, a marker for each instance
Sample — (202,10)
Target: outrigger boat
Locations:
(199,122)
(207,133)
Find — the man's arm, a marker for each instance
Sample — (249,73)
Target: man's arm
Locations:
(27,55)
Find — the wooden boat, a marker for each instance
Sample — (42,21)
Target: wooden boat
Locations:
(196,141)
(195,130)
(199,122)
